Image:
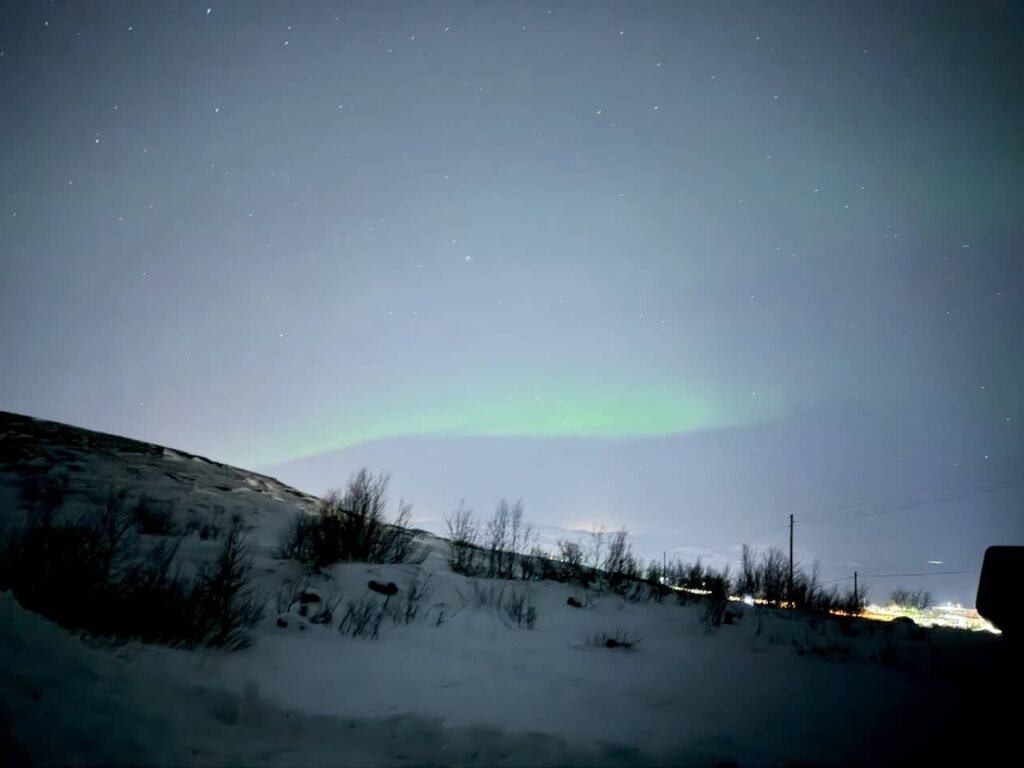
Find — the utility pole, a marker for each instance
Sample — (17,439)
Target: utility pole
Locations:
(856,598)
(790,598)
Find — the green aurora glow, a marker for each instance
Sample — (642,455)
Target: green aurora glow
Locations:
(567,411)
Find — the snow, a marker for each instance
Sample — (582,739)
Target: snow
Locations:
(471,689)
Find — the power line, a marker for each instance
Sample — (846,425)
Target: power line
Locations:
(901,575)
(857,511)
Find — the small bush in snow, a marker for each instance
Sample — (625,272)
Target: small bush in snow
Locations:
(905,598)
(617,640)
(463,534)
(325,611)
(43,496)
(519,610)
(289,592)
(415,594)
(225,607)
(514,606)
(507,537)
(202,526)
(154,517)
(571,557)
(716,602)
(352,527)
(362,618)
(85,574)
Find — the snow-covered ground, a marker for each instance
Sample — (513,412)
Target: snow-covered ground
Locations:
(461,683)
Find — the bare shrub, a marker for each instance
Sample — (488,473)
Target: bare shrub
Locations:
(224,606)
(289,592)
(463,533)
(416,593)
(43,496)
(153,517)
(918,599)
(717,600)
(616,640)
(519,610)
(362,618)
(620,566)
(202,526)
(324,613)
(571,558)
(85,574)
(116,528)
(507,539)
(748,581)
(513,605)
(853,600)
(596,547)
(351,526)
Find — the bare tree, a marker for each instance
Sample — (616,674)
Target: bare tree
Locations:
(497,538)
(596,546)
(352,526)
(619,563)
(570,556)
(918,599)
(115,527)
(463,532)
(773,575)
(747,583)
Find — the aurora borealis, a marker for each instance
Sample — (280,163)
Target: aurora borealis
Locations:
(685,267)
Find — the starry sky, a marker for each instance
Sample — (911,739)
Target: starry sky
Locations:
(686,267)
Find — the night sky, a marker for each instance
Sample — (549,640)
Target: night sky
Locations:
(684,267)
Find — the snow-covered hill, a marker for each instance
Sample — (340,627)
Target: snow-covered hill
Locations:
(462,681)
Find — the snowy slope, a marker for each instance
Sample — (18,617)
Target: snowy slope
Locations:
(93,462)
(461,684)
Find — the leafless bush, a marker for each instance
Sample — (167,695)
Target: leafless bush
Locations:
(42,497)
(571,557)
(519,610)
(289,592)
(203,526)
(853,600)
(486,594)
(351,526)
(85,574)
(514,606)
(153,517)
(324,613)
(224,605)
(537,564)
(506,537)
(116,529)
(905,598)
(748,581)
(596,547)
(773,575)
(617,640)
(717,600)
(414,595)
(362,618)
(463,533)
(620,566)
(815,646)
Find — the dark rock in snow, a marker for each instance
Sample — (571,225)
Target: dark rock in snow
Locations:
(574,602)
(385,589)
(309,597)
(282,622)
